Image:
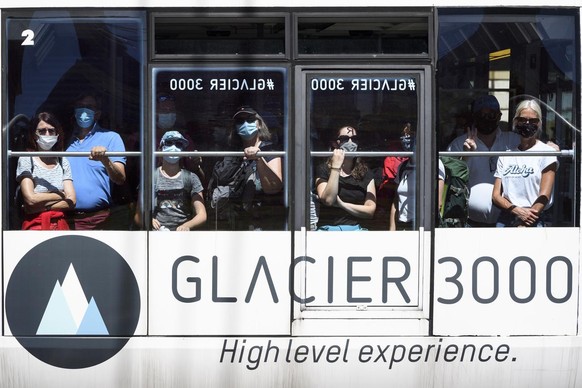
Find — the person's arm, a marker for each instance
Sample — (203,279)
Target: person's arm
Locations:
(546,187)
(68,202)
(38,202)
(199,214)
(393,213)
(366,210)
(328,190)
(528,216)
(270,174)
(115,170)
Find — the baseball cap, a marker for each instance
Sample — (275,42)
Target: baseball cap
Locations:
(246,110)
(486,102)
(174,136)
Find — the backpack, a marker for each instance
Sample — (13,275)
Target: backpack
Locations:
(226,190)
(454,211)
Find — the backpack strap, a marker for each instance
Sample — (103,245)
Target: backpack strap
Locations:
(187,181)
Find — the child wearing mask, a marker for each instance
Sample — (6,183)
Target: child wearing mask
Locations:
(178,200)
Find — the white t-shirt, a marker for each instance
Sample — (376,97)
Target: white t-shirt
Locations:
(521,176)
(481,174)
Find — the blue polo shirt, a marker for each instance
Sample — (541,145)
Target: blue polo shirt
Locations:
(90,179)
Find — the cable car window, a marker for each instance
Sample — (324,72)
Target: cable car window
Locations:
(236,119)
(366,112)
(493,61)
(192,36)
(374,35)
(80,79)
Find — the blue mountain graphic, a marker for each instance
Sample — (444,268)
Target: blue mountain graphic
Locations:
(57,318)
(92,323)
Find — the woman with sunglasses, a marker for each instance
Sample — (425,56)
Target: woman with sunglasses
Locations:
(46,182)
(524,185)
(345,186)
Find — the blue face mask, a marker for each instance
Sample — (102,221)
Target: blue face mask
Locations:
(247,130)
(85,117)
(171,159)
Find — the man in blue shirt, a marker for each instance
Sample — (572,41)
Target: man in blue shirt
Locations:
(92,176)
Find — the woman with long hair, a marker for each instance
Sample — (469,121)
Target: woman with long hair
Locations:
(46,182)
(345,186)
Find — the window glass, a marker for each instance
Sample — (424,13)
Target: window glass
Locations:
(388,35)
(377,112)
(513,57)
(52,62)
(222,36)
(227,113)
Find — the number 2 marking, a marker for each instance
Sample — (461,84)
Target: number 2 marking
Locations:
(29,38)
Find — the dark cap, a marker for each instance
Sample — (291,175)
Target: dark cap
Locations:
(486,102)
(246,110)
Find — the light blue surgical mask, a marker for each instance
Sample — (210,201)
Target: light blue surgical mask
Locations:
(85,117)
(166,120)
(247,130)
(171,159)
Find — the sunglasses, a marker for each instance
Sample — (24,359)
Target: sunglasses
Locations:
(525,120)
(248,119)
(177,143)
(44,131)
(346,138)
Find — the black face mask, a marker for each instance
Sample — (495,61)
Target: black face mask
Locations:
(486,126)
(486,123)
(526,130)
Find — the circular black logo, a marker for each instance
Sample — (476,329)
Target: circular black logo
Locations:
(72,302)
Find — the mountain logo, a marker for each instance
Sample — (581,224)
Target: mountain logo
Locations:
(72,302)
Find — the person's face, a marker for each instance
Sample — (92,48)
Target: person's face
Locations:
(88,102)
(345,135)
(45,129)
(486,120)
(527,123)
(167,106)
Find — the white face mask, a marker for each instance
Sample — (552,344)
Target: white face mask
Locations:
(166,120)
(171,159)
(46,142)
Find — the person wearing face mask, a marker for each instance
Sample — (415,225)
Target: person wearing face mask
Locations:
(92,176)
(524,185)
(178,200)
(260,204)
(166,116)
(46,183)
(345,186)
(403,208)
(485,135)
